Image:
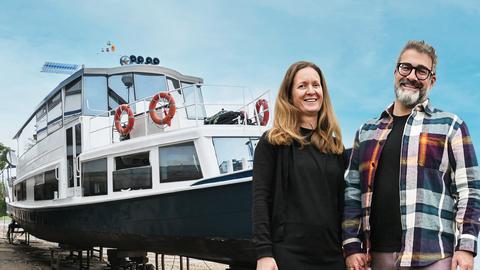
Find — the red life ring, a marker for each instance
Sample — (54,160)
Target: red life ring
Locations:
(171,110)
(118,116)
(262,103)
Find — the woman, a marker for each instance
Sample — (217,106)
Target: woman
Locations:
(298,178)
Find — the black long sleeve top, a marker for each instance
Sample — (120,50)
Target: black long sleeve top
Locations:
(296,186)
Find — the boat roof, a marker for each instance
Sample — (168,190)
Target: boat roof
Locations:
(111,71)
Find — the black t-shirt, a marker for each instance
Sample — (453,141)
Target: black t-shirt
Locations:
(385,218)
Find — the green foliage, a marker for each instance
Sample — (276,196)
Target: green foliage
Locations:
(3,158)
(3,164)
(3,205)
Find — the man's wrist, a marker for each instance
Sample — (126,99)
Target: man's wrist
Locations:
(352,248)
(467,244)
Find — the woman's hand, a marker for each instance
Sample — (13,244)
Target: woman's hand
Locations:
(266,263)
(357,261)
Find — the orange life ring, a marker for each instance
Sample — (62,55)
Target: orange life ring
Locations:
(118,117)
(167,120)
(262,103)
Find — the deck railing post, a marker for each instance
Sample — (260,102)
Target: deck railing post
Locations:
(146,115)
(195,104)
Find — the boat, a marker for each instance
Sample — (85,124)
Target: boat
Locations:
(136,158)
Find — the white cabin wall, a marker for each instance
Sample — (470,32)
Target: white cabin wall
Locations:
(110,169)
(49,150)
(154,162)
(207,157)
(144,126)
(63,181)
(96,131)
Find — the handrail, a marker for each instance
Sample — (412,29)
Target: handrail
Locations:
(102,112)
(207,108)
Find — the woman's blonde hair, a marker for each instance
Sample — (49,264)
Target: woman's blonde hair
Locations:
(286,123)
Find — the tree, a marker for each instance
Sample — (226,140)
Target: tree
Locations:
(3,156)
(3,204)
(3,164)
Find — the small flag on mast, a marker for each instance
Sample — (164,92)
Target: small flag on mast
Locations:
(109,48)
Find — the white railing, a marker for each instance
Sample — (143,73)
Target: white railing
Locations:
(207,101)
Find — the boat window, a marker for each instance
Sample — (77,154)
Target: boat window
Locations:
(38,188)
(54,114)
(193,98)
(42,123)
(94,177)
(173,84)
(120,90)
(234,153)
(51,184)
(148,85)
(46,184)
(73,100)
(28,137)
(179,163)
(21,191)
(70,165)
(132,172)
(95,95)
(78,139)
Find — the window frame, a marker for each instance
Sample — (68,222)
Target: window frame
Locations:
(104,181)
(71,115)
(198,175)
(123,185)
(251,154)
(58,120)
(93,111)
(42,189)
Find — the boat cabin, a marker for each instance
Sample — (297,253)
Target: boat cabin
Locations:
(73,148)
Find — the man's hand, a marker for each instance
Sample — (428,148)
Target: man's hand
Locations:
(462,259)
(266,263)
(357,261)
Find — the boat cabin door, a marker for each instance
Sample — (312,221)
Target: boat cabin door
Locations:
(74,149)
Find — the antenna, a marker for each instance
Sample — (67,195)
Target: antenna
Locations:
(52,67)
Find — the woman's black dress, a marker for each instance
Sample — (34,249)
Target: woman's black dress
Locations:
(314,203)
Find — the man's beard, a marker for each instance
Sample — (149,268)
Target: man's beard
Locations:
(408,98)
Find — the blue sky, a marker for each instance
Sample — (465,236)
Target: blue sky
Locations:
(251,43)
(356,43)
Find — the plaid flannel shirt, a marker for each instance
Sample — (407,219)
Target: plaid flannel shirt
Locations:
(439,186)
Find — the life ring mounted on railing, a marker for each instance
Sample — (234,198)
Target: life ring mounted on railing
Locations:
(262,104)
(118,116)
(167,120)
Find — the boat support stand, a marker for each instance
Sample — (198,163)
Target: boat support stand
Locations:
(75,256)
(14,231)
(128,260)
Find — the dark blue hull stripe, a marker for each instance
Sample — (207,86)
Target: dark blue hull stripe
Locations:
(72,112)
(238,175)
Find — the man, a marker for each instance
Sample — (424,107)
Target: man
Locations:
(412,192)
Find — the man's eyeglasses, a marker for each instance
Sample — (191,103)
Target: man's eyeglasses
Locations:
(421,72)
